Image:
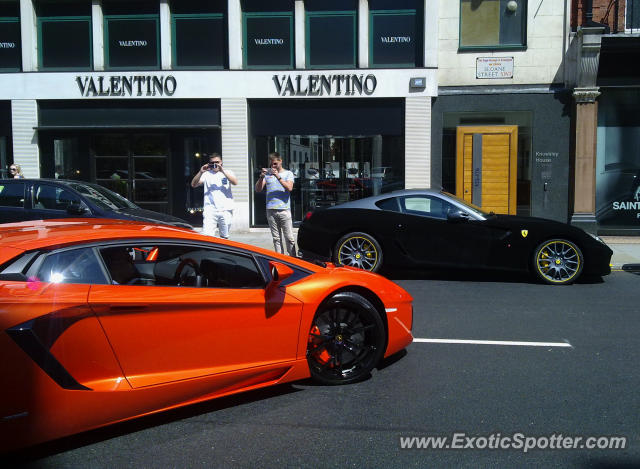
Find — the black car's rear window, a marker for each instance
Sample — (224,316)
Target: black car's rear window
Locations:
(390,204)
(12,194)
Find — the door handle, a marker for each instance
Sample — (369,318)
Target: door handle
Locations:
(128,308)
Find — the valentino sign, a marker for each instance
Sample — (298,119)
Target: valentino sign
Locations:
(133,85)
(330,85)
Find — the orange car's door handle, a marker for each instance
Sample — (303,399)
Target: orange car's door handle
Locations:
(128,308)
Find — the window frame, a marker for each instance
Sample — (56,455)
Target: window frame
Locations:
(372,15)
(505,47)
(328,14)
(63,19)
(271,14)
(13,19)
(174,40)
(107,18)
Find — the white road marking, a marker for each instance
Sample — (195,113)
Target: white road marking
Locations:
(493,342)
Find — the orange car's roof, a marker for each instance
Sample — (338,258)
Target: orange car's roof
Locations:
(37,234)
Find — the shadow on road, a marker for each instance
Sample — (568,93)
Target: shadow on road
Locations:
(28,457)
(460,275)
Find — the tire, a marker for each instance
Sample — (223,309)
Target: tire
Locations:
(558,262)
(360,250)
(346,341)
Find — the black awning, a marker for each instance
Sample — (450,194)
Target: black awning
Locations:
(116,127)
(118,113)
(360,116)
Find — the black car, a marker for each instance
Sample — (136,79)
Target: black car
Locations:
(39,199)
(428,228)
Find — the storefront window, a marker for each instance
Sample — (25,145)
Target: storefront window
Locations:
(199,34)
(331,33)
(330,170)
(395,35)
(617,162)
(493,24)
(132,35)
(268,34)
(64,35)
(10,49)
(632,16)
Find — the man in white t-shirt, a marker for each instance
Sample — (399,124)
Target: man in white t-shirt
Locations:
(218,200)
(279,183)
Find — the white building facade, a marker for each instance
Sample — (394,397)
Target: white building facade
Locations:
(501,120)
(134,95)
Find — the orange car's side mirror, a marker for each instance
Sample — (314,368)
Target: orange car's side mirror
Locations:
(279,272)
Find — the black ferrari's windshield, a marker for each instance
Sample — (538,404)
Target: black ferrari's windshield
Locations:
(102,197)
(472,208)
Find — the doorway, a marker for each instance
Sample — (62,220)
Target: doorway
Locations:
(135,166)
(486,167)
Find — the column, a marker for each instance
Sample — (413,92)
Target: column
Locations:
(234,12)
(165,35)
(299,32)
(29,35)
(586,123)
(97,31)
(24,117)
(235,152)
(363,33)
(417,146)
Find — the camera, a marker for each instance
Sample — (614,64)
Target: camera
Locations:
(213,165)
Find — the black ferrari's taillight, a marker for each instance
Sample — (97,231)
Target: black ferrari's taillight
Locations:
(307,216)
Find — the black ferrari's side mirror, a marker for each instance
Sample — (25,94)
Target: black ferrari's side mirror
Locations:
(74,208)
(457,216)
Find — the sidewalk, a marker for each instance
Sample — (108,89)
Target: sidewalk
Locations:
(626,249)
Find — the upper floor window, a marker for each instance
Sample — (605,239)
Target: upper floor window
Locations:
(132,34)
(493,24)
(268,34)
(64,35)
(632,16)
(395,33)
(331,33)
(199,33)
(10,49)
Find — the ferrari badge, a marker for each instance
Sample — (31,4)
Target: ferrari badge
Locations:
(524,233)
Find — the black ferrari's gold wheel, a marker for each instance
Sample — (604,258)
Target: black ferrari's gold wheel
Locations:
(558,262)
(358,250)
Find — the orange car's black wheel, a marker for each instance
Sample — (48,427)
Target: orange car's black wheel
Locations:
(346,340)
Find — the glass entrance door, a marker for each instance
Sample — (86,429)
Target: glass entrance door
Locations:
(135,166)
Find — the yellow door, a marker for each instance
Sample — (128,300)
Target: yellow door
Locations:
(486,166)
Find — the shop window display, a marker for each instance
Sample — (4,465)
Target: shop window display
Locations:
(331,33)
(64,35)
(395,38)
(10,51)
(618,168)
(331,170)
(132,35)
(199,34)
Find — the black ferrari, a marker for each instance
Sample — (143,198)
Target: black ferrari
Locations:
(428,228)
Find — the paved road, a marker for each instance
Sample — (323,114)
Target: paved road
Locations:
(589,388)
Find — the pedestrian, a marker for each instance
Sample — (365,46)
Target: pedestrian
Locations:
(217,209)
(279,184)
(15,171)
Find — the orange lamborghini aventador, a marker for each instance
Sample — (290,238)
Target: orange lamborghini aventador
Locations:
(106,320)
